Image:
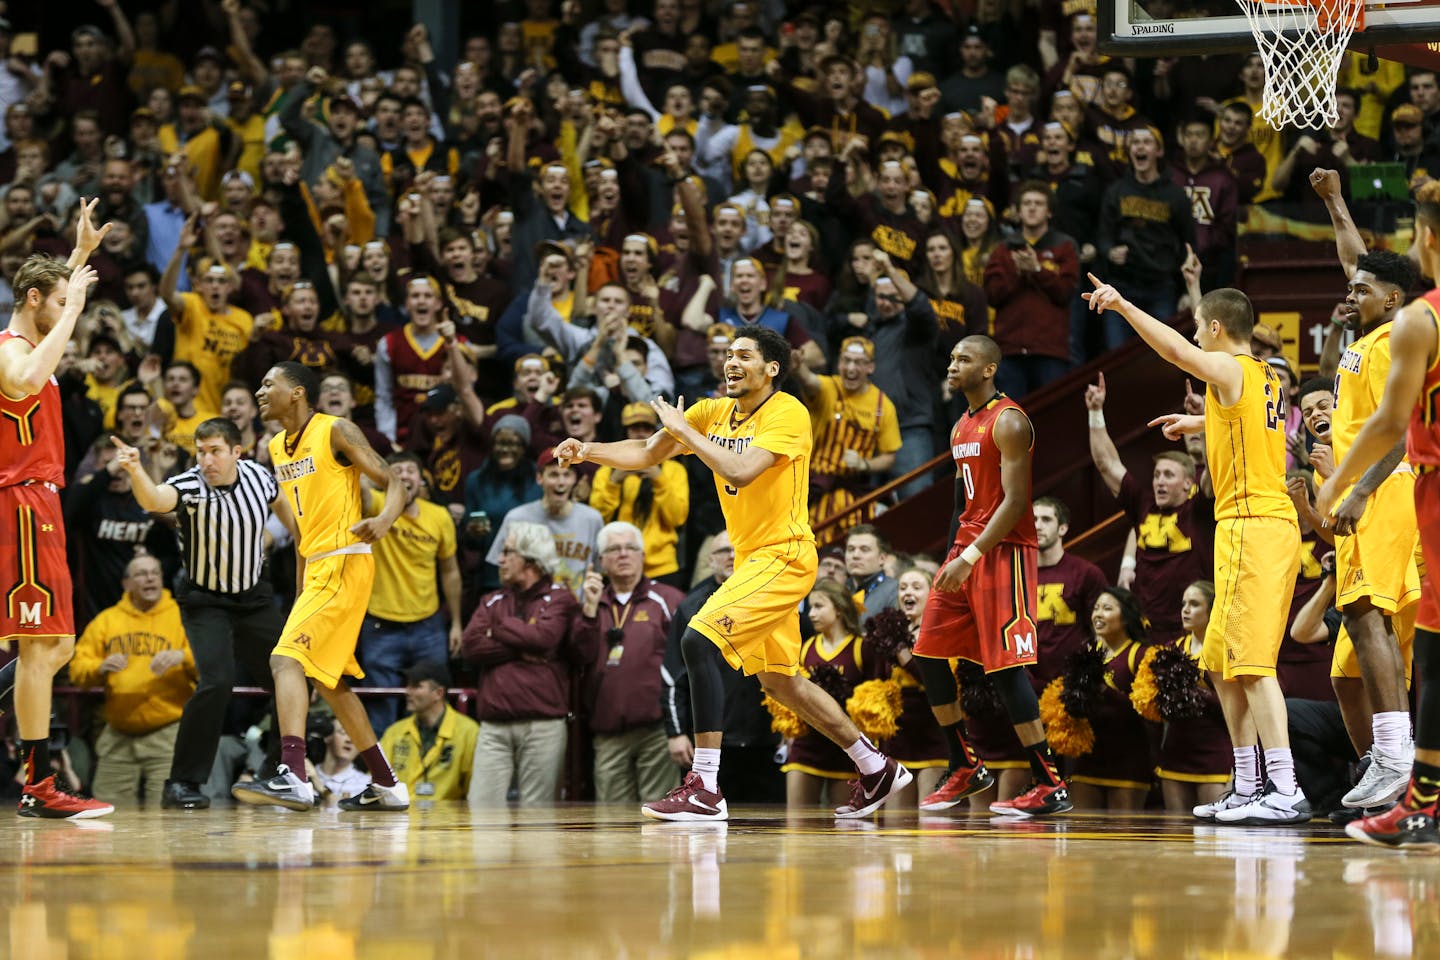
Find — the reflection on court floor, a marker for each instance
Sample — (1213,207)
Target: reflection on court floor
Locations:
(584,881)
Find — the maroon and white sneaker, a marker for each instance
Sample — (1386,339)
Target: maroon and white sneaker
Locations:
(1040,800)
(870,792)
(50,801)
(689,801)
(959,783)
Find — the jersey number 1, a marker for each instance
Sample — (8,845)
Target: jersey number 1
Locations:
(295,490)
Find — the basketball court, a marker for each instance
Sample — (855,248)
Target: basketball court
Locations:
(584,881)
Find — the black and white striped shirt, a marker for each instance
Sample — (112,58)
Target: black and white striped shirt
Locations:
(223,533)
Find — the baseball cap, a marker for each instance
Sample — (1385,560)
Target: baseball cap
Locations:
(1267,335)
(532,361)
(857,346)
(209,53)
(920,80)
(432,670)
(238,88)
(191,92)
(439,397)
(1407,115)
(142,113)
(638,413)
(547,457)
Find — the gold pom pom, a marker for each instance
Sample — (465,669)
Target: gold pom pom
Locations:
(1144,694)
(1068,736)
(783,720)
(875,708)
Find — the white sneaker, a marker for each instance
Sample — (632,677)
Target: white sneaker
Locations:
(1384,781)
(1270,808)
(1227,801)
(285,789)
(375,797)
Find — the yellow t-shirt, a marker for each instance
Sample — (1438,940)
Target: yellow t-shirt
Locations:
(105,397)
(210,341)
(203,149)
(865,422)
(181,430)
(406,585)
(1245,446)
(324,496)
(773,508)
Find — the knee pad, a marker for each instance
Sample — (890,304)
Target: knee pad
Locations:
(1012,686)
(940,686)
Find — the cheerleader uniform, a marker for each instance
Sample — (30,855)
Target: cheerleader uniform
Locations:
(1197,750)
(919,741)
(1121,756)
(814,753)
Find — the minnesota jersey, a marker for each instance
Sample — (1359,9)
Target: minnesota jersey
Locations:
(324,496)
(977,464)
(32,437)
(772,509)
(1245,446)
(1359,385)
(1422,440)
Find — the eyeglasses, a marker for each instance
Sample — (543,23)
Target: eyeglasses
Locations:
(619,548)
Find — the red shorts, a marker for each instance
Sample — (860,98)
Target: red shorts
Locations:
(990,620)
(34,572)
(1427,520)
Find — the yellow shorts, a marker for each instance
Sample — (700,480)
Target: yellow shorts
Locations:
(1378,561)
(324,625)
(754,618)
(1344,662)
(1256,562)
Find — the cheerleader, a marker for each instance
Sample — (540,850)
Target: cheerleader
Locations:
(919,742)
(1195,753)
(1116,773)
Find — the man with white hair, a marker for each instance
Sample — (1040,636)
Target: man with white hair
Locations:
(518,638)
(620,638)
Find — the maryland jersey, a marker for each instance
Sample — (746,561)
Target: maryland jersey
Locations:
(772,509)
(977,464)
(1359,385)
(1245,446)
(1422,441)
(32,437)
(324,495)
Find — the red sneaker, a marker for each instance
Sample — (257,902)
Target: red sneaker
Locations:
(1400,827)
(959,783)
(689,801)
(1040,800)
(870,792)
(50,801)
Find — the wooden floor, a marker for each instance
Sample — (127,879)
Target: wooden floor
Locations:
(584,881)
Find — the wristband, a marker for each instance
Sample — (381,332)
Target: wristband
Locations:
(1097,419)
(1127,563)
(971,555)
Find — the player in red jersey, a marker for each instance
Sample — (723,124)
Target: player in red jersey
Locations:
(983,606)
(49,297)
(1411,400)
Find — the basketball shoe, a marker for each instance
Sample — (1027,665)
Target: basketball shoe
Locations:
(1400,827)
(1227,801)
(870,791)
(48,800)
(689,801)
(1041,800)
(1269,808)
(376,798)
(284,789)
(1385,779)
(959,783)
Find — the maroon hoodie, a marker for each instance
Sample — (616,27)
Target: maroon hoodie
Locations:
(519,639)
(1214,203)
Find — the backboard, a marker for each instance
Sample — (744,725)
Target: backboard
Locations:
(1404,30)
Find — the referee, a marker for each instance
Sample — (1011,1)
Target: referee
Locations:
(225,596)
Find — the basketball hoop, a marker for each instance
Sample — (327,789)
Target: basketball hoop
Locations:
(1302,43)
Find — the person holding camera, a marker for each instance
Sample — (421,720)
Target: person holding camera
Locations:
(1029,280)
(619,634)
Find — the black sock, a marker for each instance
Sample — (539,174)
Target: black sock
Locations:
(1424,787)
(960,753)
(35,754)
(1042,764)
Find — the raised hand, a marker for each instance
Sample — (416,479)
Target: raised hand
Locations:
(125,455)
(80,279)
(87,237)
(1194,402)
(1177,426)
(672,418)
(1326,183)
(1105,297)
(1095,395)
(571,451)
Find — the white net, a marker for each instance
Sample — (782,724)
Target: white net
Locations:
(1302,44)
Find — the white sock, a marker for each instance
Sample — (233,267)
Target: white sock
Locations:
(707,766)
(867,759)
(1247,771)
(1392,730)
(1280,768)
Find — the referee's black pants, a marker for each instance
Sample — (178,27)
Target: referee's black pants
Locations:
(224,630)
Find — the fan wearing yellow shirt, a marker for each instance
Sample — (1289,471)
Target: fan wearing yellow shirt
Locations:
(757,441)
(318,462)
(180,404)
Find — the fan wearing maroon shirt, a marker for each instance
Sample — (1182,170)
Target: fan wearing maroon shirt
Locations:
(1174,527)
(412,360)
(1068,587)
(1214,201)
(982,608)
(473,300)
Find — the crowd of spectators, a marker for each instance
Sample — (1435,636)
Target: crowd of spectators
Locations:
(529,236)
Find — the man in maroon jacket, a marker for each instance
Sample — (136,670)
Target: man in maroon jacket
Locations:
(519,639)
(619,635)
(1029,281)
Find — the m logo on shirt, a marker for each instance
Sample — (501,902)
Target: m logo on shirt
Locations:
(1024,644)
(29,614)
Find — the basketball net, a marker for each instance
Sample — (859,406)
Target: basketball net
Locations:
(1302,43)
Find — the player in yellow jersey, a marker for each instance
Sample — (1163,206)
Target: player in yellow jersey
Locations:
(1257,541)
(757,440)
(319,460)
